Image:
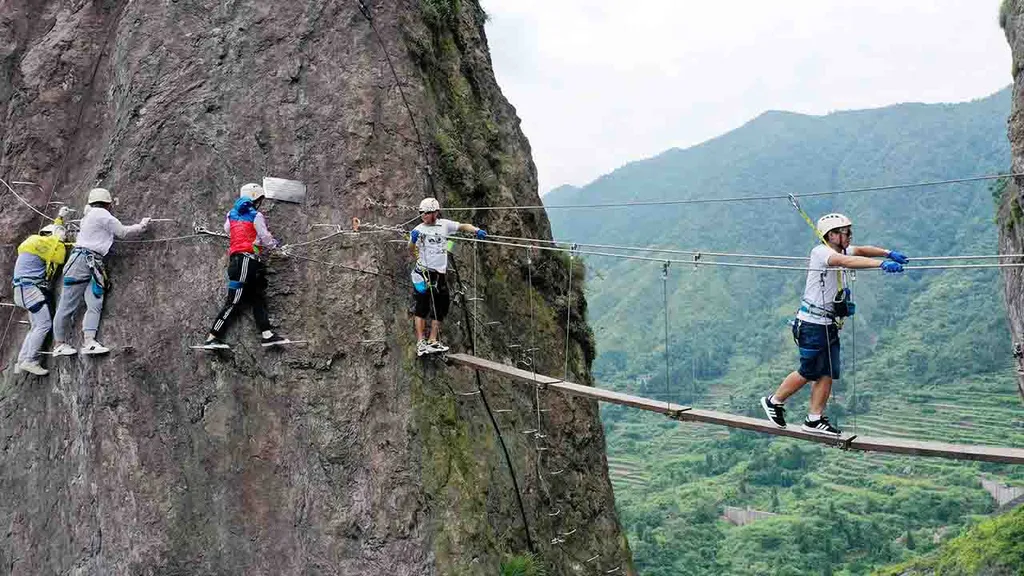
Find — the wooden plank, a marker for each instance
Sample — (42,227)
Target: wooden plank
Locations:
(686,414)
(666,408)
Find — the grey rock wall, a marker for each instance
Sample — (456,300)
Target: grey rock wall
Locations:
(344,456)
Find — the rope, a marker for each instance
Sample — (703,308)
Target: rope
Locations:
(888,187)
(476,293)
(664,294)
(568,318)
(533,339)
(152,240)
(490,413)
(23,201)
(335,265)
(365,10)
(702,253)
(853,351)
(7,327)
(735,264)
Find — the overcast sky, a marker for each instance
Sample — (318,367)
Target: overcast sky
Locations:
(599,83)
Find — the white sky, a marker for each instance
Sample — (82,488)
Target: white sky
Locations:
(599,83)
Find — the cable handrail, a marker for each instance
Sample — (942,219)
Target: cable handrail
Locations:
(729,264)
(734,199)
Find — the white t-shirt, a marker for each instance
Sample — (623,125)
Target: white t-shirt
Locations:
(821,286)
(99,228)
(432,244)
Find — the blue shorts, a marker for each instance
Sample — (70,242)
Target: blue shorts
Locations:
(819,349)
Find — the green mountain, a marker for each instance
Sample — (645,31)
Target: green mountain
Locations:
(991,548)
(927,355)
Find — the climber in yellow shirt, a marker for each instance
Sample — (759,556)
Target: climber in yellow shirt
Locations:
(39,257)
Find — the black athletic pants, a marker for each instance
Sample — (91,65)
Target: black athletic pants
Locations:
(247,284)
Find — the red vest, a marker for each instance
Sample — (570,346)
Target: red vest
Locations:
(243,235)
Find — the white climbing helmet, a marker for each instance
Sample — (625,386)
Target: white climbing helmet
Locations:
(100,195)
(830,222)
(429,205)
(54,230)
(252,191)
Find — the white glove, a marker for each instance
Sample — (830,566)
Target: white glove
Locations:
(64,212)
(145,222)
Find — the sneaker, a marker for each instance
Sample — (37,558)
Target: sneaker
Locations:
(93,348)
(775,412)
(64,350)
(32,367)
(273,340)
(215,344)
(422,348)
(435,347)
(821,426)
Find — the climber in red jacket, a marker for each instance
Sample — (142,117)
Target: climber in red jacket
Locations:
(247,281)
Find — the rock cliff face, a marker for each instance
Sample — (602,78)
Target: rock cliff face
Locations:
(1010,215)
(346,455)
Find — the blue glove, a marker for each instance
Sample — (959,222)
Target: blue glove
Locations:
(898,257)
(891,267)
(414,236)
(481,233)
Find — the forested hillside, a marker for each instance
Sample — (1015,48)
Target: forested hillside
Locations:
(928,355)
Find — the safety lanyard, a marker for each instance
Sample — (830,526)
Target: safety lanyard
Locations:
(820,236)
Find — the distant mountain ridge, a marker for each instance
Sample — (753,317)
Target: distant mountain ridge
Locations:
(931,350)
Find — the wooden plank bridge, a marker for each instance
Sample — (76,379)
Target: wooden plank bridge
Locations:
(687,414)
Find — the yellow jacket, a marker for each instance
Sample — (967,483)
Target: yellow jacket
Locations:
(49,249)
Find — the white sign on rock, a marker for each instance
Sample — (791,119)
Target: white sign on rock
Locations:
(284,190)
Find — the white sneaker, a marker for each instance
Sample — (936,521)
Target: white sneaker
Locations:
(93,348)
(436,347)
(64,350)
(32,367)
(422,348)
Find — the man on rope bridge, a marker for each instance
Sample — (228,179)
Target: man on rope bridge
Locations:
(428,243)
(39,257)
(85,276)
(825,303)
(247,280)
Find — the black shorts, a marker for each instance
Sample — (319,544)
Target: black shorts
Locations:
(433,304)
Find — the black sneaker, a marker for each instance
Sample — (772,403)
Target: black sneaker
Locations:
(821,426)
(273,340)
(215,344)
(775,412)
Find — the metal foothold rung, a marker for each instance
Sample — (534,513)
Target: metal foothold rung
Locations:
(495,323)
(614,570)
(556,541)
(468,393)
(556,472)
(502,411)
(569,533)
(589,560)
(555,513)
(515,345)
(529,431)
